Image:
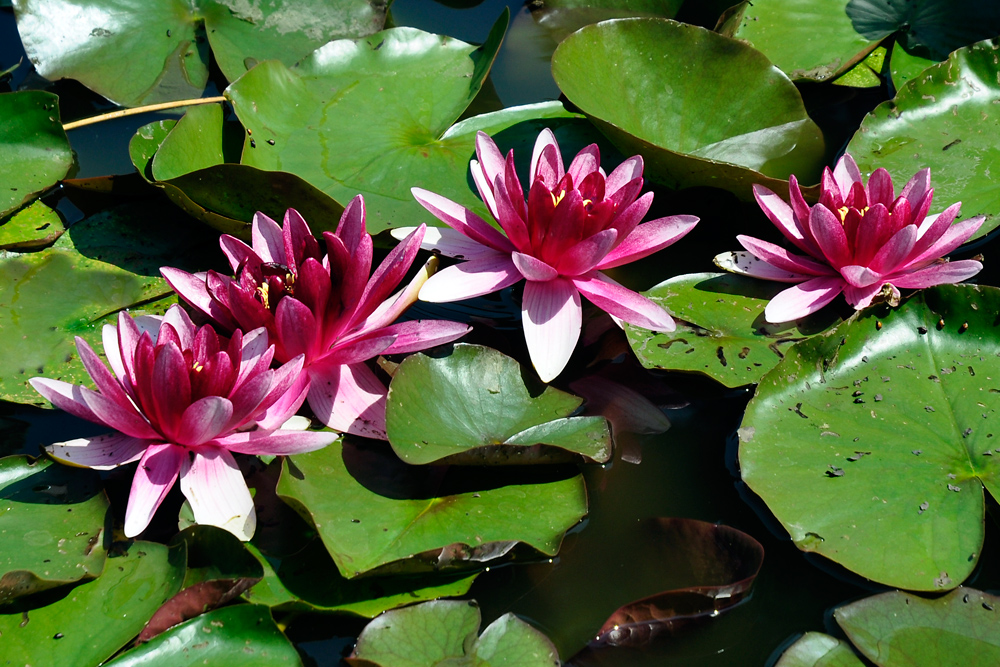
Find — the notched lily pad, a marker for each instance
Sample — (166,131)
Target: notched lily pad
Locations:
(721,331)
(873,444)
(476,397)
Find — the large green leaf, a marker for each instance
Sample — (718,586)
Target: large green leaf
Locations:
(146,51)
(367,517)
(898,629)
(51,525)
(232,636)
(34,151)
(721,330)
(645,82)
(92,621)
(814,649)
(477,397)
(945,119)
(444,633)
(806,39)
(873,444)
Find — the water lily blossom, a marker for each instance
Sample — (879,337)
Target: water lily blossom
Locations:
(323,306)
(860,239)
(574,223)
(180,405)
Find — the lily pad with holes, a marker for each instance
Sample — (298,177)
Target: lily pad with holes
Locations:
(721,330)
(476,397)
(946,119)
(873,444)
(815,649)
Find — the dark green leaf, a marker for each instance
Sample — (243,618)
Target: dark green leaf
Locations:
(34,226)
(562,17)
(814,649)
(872,444)
(34,151)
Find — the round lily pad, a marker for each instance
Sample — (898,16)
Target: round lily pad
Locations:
(815,649)
(874,444)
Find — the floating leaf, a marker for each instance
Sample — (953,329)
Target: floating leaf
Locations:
(562,17)
(93,620)
(141,52)
(898,629)
(939,120)
(814,649)
(35,226)
(904,66)
(34,151)
(806,39)
(51,525)
(872,444)
(721,330)
(444,632)
(477,397)
(867,73)
(624,75)
(366,518)
(238,636)
(194,142)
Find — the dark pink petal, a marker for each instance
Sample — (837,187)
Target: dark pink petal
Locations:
(938,274)
(861,297)
(627,219)
(565,227)
(512,218)
(860,276)
(128,340)
(217,376)
(102,452)
(143,373)
(901,214)
(312,287)
(649,237)
(586,162)
(780,258)
(348,398)
(296,328)
(192,289)
(919,211)
(106,383)
(892,254)
(801,211)
(237,252)
(551,316)
(830,195)
(289,387)
(491,160)
(546,160)
(846,174)
(299,240)
(532,268)
(361,348)
(626,172)
(417,335)
(625,196)
(389,273)
(953,237)
(157,471)
(829,234)
(205,344)
(351,228)
(512,186)
(586,254)
(254,348)
(916,190)
(266,239)
(470,279)
(462,220)
(119,416)
(880,188)
(182,324)
(278,443)
(803,299)
(934,227)
(784,218)
(623,303)
(247,311)
(217,493)
(203,420)
(246,402)
(170,388)
(873,230)
(743,263)
(67,397)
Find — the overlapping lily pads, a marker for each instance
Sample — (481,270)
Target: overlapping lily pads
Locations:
(476,397)
(370,509)
(874,444)
(721,331)
(643,83)
(141,52)
(945,119)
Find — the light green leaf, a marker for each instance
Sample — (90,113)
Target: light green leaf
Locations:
(34,226)
(814,649)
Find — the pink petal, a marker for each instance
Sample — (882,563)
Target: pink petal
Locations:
(214,486)
(551,316)
(237,252)
(462,220)
(351,229)
(360,348)
(109,340)
(277,443)
(447,241)
(626,220)
(880,188)
(933,227)
(285,398)
(861,297)
(586,162)
(846,174)
(300,243)
(532,268)
(917,188)
(417,335)
(829,233)
(873,230)
(267,239)
(67,397)
(938,274)
(588,253)
(192,288)
(860,276)
(157,471)
(485,187)
(780,258)
(170,386)
(491,160)
(254,349)
(106,383)
(297,328)
(471,279)
(745,264)
(389,273)
(623,303)
(121,416)
(802,299)
(546,160)
(892,254)
(511,217)
(182,324)
(649,237)
(102,452)
(349,399)
(783,217)
(955,236)
(624,173)
(204,419)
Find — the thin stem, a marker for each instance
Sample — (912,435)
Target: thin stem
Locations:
(121,113)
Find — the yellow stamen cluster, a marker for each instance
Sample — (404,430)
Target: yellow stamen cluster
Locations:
(842,212)
(262,293)
(197,367)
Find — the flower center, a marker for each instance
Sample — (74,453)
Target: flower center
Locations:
(555,199)
(842,212)
(197,367)
(277,281)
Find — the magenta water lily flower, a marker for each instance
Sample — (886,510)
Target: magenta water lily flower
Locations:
(180,405)
(323,306)
(575,222)
(860,239)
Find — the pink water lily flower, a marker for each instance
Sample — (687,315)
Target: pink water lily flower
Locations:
(575,222)
(323,306)
(180,405)
(860,239)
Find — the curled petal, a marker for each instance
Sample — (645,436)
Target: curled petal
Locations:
(551,315)
(745,264)
(446,241)
(462,220)
(860,276)
(647,238)
(470,279)
(938,274)
(623,303)
(157,472)
(417,335)
(803,299)
(780,258)
(532,268)
(862,297)
(277,443)
(348,398)
(102,452)
(214,486)
(237,252)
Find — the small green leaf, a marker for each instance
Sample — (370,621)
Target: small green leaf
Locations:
(34,226)
(814,649)
(477,397)
(867,73)
(34,151)
(145,142)
(194,143)
(904,65)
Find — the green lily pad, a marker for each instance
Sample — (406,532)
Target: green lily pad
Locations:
(806,39)
(138,52)
(444,632)
(898,629)
(242,635)
(937,27)
(873,444)
(815,649)
(624,75)
(34,151)
(721,330)
(904,65)
(942,120)
(477,397)
(367,517)
(194,142)
(51,525)
(145,142)
(562,17)
(95,619)
(290,584)
(34,226)
(214,553)
(867,73)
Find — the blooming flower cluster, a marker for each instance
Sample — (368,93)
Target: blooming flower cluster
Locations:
(860,239)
